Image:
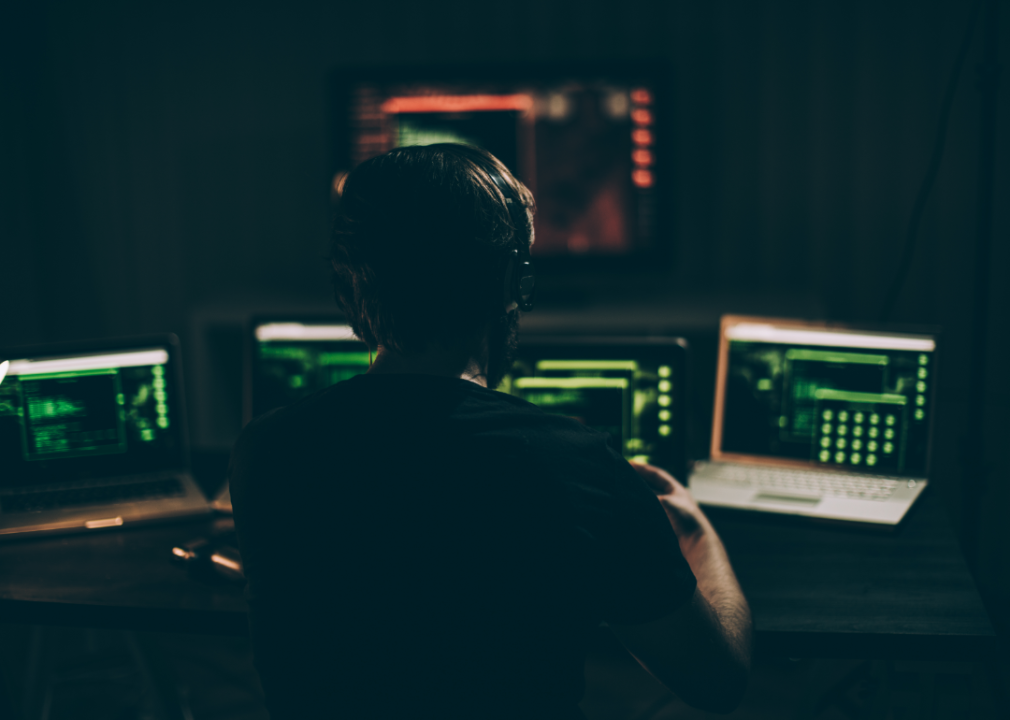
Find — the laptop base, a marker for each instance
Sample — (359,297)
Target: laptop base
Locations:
(709,486)
(187,502)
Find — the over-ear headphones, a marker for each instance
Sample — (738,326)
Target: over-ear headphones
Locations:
(520,278)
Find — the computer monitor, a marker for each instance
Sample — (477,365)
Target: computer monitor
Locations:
(632,388)
(588,141)
(809,394)
(288,359)
(71,413)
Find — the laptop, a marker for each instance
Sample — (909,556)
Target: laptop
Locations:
(93,436)
(819,420)
(632,388)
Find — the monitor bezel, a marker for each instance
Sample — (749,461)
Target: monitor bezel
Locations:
(657,72)
(716,453)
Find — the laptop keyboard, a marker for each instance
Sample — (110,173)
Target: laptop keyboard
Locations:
(867,487)
(34,501)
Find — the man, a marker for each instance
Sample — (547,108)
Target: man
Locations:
(419,545)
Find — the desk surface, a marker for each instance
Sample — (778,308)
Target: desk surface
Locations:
(819,590)
(815,591)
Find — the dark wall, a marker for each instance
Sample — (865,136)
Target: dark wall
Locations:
(165,169)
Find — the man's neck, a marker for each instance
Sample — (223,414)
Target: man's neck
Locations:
(433,361)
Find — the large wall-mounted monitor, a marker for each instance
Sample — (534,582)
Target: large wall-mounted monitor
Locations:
(590,142)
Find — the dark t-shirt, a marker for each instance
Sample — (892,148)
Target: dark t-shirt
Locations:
(419,546)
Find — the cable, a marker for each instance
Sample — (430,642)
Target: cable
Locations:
(934,167)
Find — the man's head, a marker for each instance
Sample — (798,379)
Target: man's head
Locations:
(421,244)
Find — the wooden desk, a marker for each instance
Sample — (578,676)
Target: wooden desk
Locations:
(820,591)
(124,579)
(816,591)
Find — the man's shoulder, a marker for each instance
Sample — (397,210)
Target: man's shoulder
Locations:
(429,406)
(292,419)
(525,415)
(544,444)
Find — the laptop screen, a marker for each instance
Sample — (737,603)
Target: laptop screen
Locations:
(630,388)
(99,414)
(290,360)
(843,399)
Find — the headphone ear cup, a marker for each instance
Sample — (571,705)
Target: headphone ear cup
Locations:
(524,285)
(520,279)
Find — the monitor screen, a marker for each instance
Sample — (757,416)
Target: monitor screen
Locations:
(585,142)
(631,389)
(89,415)
(842,399)
(291,360)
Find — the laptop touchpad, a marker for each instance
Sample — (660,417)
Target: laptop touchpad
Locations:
(780,498)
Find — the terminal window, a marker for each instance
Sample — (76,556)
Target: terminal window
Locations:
(104,411)
(630,400)
(859,409)
(73,414)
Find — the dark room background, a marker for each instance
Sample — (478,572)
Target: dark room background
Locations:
(165,168)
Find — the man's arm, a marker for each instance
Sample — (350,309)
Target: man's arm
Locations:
(702,650)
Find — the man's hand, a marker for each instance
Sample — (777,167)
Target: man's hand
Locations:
(686,517)
(716,624)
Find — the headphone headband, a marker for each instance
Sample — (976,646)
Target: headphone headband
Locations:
(520,278)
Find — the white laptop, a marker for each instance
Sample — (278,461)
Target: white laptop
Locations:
(93,436)
(819,420)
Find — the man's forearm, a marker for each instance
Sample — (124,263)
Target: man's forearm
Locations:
(717,583)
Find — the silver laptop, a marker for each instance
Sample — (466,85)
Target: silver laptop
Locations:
(93,436)
(818,420)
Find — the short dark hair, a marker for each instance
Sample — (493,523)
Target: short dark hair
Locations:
(421,240)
